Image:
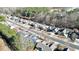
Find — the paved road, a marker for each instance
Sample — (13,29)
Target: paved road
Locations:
(68,44)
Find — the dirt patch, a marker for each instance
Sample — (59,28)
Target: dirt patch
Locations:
(3,46)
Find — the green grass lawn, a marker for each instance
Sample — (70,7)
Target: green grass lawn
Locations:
(10,33)
(2,18)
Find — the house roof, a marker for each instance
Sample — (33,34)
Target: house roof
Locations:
(44,47)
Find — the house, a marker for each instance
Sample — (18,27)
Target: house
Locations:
(43,47)
(61,48)
(54,45)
